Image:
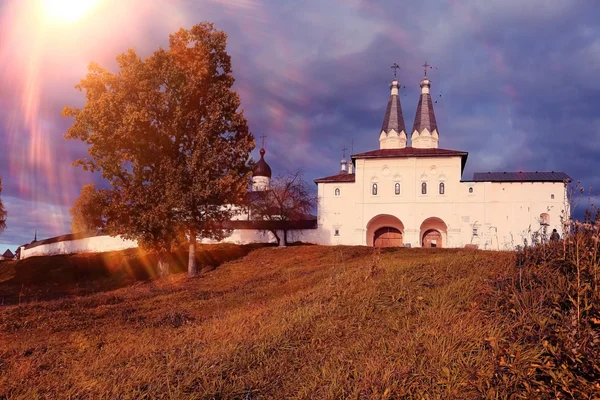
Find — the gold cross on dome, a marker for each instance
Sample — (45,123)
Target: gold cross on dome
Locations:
(263,136)
(344,151)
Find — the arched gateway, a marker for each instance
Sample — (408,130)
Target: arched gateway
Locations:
(385,231)
(433,232)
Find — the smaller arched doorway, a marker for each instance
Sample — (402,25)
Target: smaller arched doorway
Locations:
(387,237)
(432,238)
(433,232)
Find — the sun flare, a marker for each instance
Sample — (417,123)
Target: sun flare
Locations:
(67,10)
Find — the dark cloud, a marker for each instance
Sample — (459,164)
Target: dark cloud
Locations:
(515,83)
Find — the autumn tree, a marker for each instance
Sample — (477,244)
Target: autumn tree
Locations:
(288,201)
(87,213)
(167,133)
(2,211)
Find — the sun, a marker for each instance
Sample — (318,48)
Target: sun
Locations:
(67,10)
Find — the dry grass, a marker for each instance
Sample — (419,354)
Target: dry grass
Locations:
(299,322)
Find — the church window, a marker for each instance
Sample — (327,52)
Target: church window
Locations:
(475,232)
(374,190)
(544,219)
(397,188)
(337,191)
(424,188)
(470,190)
(336,232)
(552,196)
(442,188)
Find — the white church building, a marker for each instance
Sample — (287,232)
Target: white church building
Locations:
(411,192)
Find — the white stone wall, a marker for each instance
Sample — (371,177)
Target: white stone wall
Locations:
(99,244)
(503,214)
(94,244)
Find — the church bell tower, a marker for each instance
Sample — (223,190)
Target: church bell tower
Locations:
(424,133)
(393,132)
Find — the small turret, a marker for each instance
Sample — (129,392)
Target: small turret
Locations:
(343,163)
(261,175)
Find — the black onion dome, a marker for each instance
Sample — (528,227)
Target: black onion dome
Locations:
(262,168)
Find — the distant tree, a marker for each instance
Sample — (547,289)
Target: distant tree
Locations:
(167,134)
(87,212)
(288,200)
(3,212)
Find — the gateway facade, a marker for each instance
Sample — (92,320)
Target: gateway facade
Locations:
(410,192)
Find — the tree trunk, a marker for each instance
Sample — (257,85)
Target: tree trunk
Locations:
(285,240)
(274,232)
(163,266)
(192,264)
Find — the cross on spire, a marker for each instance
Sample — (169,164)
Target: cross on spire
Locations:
(263,136)
(344,151)
(395,67)
(426,66)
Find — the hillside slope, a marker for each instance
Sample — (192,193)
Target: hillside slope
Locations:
(297,322)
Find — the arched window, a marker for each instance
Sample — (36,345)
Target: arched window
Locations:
(442,187)
(424,188)
(337,191)
(374,190)
(397,188)
(470,190)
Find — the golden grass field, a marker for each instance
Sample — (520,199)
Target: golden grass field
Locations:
(304,322)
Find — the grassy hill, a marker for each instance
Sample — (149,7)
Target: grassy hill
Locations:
(299,322)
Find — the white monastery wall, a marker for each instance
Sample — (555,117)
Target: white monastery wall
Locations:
(94,244)
(105,243)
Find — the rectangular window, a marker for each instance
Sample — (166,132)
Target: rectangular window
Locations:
(336,232)
(475,232)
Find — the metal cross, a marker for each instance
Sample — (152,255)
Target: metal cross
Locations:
(344,151)
(395,67)
(263,136)
(426,66)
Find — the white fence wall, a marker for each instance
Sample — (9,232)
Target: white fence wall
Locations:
(94,244)
(99,244)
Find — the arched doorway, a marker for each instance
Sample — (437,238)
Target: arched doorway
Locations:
(385,230)
(387,237)
(432,238)
(433,232)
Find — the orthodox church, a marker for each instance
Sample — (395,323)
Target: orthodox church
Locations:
(410,192)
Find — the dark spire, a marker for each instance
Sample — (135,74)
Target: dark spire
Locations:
(393,114)
(425,117)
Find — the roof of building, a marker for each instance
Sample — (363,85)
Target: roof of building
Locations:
(393,114)
(425,117)
(262,168)
(521,176)
(8,254)
(410,152)
(342,178)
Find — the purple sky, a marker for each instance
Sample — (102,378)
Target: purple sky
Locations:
(516,83)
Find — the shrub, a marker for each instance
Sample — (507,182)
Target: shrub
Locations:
(552,299)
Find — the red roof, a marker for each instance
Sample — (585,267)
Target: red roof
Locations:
(336,178)
(414,152)
(410,152)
